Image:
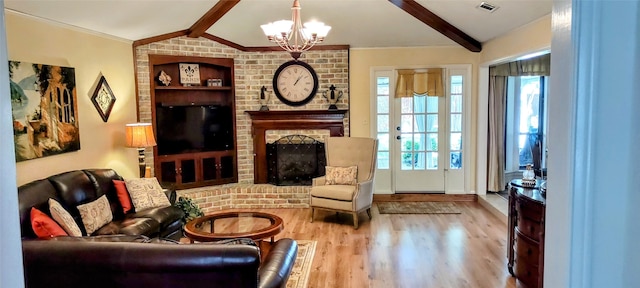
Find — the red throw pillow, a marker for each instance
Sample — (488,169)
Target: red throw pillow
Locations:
(123,195)
(44,226)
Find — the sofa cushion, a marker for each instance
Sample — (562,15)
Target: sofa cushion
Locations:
(341,175)
(64,218)
(95,214)
(146,193)
(74,188)
(164,215)
(34,194)
(102,179)
(44,226)
(131,226)
(123,196)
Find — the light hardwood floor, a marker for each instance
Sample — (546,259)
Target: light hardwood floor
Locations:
(394,250)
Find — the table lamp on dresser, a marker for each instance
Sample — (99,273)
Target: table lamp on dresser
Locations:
(140,135)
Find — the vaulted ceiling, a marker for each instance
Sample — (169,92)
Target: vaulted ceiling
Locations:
(357,23)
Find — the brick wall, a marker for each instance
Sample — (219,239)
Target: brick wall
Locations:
(252,71)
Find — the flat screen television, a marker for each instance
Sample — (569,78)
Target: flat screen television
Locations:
(195,128)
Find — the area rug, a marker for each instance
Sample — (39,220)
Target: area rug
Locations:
(418,208)
(302,268)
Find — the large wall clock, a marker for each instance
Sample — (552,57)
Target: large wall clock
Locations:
(295,83)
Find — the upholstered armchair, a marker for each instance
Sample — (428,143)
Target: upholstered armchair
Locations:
(348,184)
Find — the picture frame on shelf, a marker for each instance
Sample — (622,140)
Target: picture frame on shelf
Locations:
(103,99)
(189,74)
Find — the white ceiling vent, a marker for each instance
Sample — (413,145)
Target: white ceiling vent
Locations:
(487,7)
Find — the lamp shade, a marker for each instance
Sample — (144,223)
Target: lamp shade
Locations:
(140,135)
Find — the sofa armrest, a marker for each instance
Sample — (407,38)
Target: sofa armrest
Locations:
(276,268)
(171,194)
(319,181)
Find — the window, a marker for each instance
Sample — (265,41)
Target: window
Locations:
(526,122)
(383,114)
(455,133)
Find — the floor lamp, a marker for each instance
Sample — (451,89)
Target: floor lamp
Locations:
(140,135)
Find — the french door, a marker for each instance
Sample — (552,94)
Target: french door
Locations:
(421,138)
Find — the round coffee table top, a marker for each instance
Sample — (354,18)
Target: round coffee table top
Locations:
(233,224)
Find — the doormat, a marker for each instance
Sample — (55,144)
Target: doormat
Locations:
(300,273)
(418,208)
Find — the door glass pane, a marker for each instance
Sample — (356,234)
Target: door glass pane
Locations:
(406,124)
(432,123)
(419,142)
(456,103)
(168,172)
(406,104)
(227,170)
(383,104)
(383,160)
(432,104)
(383,141)
(419,123)
(382,86)
(407,161)
(432,142)
(420,161)
(456,122)
(456,160)
(383,123)
(456,141)
(419,103)
(432,160)
(406,141)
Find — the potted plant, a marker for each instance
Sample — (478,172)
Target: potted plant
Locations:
(190,209)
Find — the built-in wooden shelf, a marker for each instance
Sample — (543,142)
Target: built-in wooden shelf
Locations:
(261,121)
(213,88)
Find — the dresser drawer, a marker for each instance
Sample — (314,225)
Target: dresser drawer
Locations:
(529,209)
(526,249)
(525,273)
(529,228)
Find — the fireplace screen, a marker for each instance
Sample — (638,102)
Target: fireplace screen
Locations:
(295,160)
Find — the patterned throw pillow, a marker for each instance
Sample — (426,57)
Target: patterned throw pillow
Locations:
(64,218)
(341,175)
(95,214)
(44,226)
(146,193)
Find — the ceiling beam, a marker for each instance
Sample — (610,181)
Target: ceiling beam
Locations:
(434,21)
(212,16)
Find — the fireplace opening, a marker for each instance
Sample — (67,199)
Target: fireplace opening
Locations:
(295,160)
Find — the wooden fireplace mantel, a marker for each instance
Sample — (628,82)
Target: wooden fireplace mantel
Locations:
(261,121)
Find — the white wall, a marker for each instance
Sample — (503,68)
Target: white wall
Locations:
(592,224)
(10,249)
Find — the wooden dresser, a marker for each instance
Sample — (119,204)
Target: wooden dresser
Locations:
(526,234)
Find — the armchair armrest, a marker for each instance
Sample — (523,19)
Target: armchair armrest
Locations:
(319,181)
(276,268)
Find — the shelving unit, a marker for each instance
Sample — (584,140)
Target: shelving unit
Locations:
(197,153)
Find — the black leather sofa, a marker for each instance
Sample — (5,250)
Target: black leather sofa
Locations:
(129,261)
(78,187)
(138,256)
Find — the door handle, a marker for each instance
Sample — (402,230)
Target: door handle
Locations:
(398,137)
(398,128)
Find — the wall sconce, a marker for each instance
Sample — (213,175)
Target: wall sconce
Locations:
(140,135)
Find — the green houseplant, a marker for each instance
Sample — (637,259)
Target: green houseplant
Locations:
(190,209)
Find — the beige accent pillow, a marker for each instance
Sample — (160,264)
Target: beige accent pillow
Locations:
(146,193)
(95,214)
(64,219)
(341,175)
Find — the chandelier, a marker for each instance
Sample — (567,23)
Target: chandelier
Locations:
(292,36)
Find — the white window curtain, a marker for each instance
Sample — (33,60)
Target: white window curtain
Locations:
(420,82)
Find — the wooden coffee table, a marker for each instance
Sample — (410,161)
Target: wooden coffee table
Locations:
(233,224)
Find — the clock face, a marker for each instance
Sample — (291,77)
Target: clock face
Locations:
(295,83)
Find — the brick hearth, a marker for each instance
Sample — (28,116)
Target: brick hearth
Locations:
(237,196)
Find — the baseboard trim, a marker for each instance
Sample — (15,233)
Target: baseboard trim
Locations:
(425,197)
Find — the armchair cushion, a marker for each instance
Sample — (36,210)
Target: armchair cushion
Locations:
(341,175)
(337,192)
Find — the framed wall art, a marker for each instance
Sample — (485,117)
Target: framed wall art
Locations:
(44,108)
(103,99)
